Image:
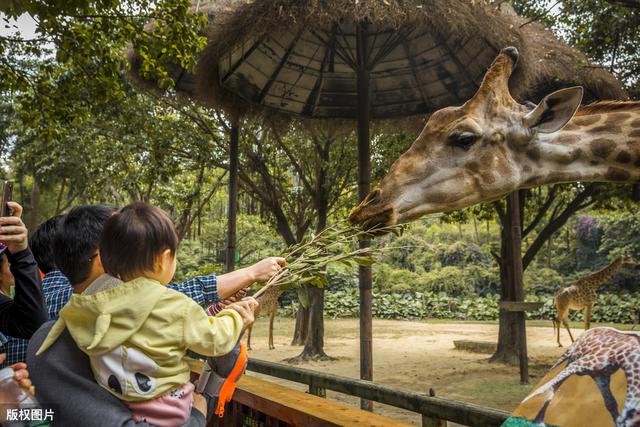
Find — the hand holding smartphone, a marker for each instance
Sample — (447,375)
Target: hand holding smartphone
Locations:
(7,194)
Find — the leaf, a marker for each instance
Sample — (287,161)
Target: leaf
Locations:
(364,261)
(303,297)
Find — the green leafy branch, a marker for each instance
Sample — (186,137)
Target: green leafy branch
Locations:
(308,260)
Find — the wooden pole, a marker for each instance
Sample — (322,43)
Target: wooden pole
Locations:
(364,186)
(233,194)
(513,211)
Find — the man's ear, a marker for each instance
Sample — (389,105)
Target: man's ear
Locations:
(555,110)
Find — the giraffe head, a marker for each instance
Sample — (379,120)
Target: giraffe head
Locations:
(467,154)
(629,260)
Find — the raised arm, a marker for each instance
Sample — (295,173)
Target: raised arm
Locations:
(209,289)
(21,316)
(230,283)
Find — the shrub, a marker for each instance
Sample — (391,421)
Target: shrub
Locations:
(542,281)
(449,280)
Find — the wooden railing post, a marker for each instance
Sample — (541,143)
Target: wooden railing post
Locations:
(432,422)
(316,390)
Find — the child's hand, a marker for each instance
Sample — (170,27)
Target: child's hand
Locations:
(266,269)
(236,297)
(246,307)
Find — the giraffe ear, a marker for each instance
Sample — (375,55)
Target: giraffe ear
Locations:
(554,111)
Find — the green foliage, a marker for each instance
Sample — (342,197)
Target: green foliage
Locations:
(608,31)
(449,280)
(542,281)
(610,308)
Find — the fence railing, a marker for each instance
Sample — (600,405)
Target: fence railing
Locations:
(433,409)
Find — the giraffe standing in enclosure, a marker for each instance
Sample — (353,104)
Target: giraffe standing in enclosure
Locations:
(268,306)
(583,294)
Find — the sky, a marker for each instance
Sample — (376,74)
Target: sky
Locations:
(25,24)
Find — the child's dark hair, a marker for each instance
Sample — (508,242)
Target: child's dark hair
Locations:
(133,237)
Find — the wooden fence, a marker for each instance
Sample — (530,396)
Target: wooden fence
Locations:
(433,409)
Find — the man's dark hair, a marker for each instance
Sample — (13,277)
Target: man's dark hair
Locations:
(41,243)
(134,237)
(77,240)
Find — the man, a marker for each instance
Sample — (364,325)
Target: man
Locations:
(76,255)
(23,314)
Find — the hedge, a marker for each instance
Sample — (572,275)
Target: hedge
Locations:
(610,308)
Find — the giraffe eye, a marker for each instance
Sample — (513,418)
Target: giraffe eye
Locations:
(463,140)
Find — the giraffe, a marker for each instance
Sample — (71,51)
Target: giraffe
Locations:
(583,294)
(267,306)
(492,145)
(599,353)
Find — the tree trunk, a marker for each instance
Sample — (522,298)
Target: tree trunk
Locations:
(507,351)
(314,340)
(488,232)
(302,326)
(35,205)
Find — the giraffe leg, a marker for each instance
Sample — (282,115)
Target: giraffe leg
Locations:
(249,337)
(603,381)
(587,317)
(556,330)
(562,313)
(565,322)
(271,317)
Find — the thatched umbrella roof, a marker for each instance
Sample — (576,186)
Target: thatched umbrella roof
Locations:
(296,56)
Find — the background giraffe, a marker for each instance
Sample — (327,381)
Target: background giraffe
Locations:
(583,294)
(268,306)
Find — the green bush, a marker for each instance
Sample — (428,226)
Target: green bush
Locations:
(450,280)
(610,308)
(542,281)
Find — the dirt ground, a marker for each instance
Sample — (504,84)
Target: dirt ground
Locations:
(419,356)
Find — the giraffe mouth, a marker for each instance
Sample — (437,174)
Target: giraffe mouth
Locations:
(376,220)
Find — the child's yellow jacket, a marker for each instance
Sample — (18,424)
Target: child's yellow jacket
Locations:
(137,333)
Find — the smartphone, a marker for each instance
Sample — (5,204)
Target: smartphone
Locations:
(7,196)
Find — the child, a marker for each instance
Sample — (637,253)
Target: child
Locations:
(137,333)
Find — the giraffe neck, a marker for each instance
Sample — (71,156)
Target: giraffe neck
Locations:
(599,277)
(596,145)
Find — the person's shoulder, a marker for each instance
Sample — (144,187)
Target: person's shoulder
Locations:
(43,330)
(176,297)
(38,337)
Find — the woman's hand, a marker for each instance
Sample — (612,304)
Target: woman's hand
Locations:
(21,375)
(13,232)
(266,269)
(246,308)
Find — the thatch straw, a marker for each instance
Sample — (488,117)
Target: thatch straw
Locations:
(545,64)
